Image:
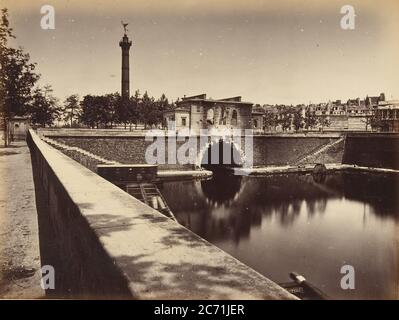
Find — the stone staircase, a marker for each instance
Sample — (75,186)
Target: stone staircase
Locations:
(147,193)
(318,151)
(63,147)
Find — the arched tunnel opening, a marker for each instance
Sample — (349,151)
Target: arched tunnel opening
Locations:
(221,156)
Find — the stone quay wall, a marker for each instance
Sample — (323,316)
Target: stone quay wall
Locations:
(104,243)
(380,150)
(268,150)
(277,150)
(126,150)
(377,150)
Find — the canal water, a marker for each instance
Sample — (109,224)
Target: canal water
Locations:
(311,225)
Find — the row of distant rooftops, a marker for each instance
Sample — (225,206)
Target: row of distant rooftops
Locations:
(204,99)
(368,102)
(372,101)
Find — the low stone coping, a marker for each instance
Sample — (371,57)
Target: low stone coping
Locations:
(266,170)
(109,133)
(188,174)
(126,165)
(158,258)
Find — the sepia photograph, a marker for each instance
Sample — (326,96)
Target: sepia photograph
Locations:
(199,150)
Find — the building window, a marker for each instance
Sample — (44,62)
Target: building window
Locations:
(234,117)
(222,119)
(209,116)
(255,123)
(184,121)
(198,108)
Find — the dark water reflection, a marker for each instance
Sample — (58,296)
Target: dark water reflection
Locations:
(301,223)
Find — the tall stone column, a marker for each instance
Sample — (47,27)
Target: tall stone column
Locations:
(125,44)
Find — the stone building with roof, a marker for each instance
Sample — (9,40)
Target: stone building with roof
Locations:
(199,112)
(258,114)
(354,115)
(387,114)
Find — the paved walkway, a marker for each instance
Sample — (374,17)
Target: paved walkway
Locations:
(19,242)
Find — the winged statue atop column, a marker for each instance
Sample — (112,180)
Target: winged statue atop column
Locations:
(124,26)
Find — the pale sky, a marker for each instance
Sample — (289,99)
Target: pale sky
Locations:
(266,51)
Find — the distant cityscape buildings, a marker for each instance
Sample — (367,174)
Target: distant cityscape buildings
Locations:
(373,114)
(388,113)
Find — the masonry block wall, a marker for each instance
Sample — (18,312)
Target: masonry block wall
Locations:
(104,243)
(334,154)
(274,150)
(126,150)
(267,150)
(372,150)
(68,243)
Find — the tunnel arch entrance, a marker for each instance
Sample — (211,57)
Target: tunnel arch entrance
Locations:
(220,154)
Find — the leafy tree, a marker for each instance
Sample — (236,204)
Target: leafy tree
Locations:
(90,115)
(71,110)
(146,109)
(122,110)
(376,122)
(108,112)
(285,118)
(310,119)
(100,110)
(19,82)
(5,35)
(134,109)
(323,121)
(297,119)
(162,105)
(44,107)
(269,120)
(368,121)
(17,76)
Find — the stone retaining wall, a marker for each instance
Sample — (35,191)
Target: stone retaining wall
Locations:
(127,150)
(372,150)
(105,243)
(364,149)
(131,148)
(286,150)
